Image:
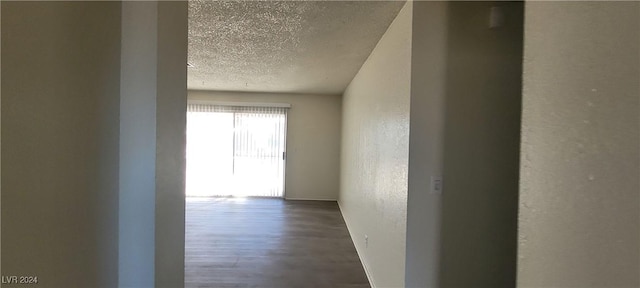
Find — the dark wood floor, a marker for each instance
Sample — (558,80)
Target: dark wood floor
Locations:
(262,242)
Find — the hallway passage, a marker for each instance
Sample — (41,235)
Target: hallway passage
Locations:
(262,242)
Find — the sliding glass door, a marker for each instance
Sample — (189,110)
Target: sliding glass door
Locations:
(235,150)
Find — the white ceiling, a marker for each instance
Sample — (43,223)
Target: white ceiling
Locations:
(313,47)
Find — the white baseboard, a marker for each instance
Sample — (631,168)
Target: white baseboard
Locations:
(309,199)
(364,264)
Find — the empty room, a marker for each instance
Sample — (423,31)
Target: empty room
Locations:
(264,124)
(322,144)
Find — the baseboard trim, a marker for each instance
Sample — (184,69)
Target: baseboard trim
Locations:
(364,264)
(309,199)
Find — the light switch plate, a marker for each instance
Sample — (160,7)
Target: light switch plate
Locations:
(436,185)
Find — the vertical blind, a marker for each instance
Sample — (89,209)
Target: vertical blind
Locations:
(235,150)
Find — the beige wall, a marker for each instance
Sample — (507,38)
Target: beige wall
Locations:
(171,116)
(428,91)
(152,144)
(313,140)
(481,146)
(579,198)
(61,172)
(138,92)
(60,109)
(465,112)
(375,148)
(152,140)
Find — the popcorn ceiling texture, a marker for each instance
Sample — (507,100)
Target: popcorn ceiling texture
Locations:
(283,46)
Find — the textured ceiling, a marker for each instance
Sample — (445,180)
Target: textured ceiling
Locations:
(283,46)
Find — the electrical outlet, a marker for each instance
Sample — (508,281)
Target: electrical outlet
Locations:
(366,241)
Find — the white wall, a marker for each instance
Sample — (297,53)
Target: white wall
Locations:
(481,146)
(152,141)
(67,198)
(465,109)
(313,140)
(579,199)
(375,149)
(171,137)
(60,110)
(137,139)
(428,91)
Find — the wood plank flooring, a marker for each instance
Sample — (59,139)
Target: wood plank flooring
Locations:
(262,242)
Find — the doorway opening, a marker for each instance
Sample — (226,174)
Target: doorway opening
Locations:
(236,150)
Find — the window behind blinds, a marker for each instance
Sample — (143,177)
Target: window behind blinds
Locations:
(235,150)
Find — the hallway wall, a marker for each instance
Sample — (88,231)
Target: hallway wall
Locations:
(465,111)
(152,143)
(375,150)
(61,130)
(481,145)
(428,92)
(580,201)
(60,110)
(138,88)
